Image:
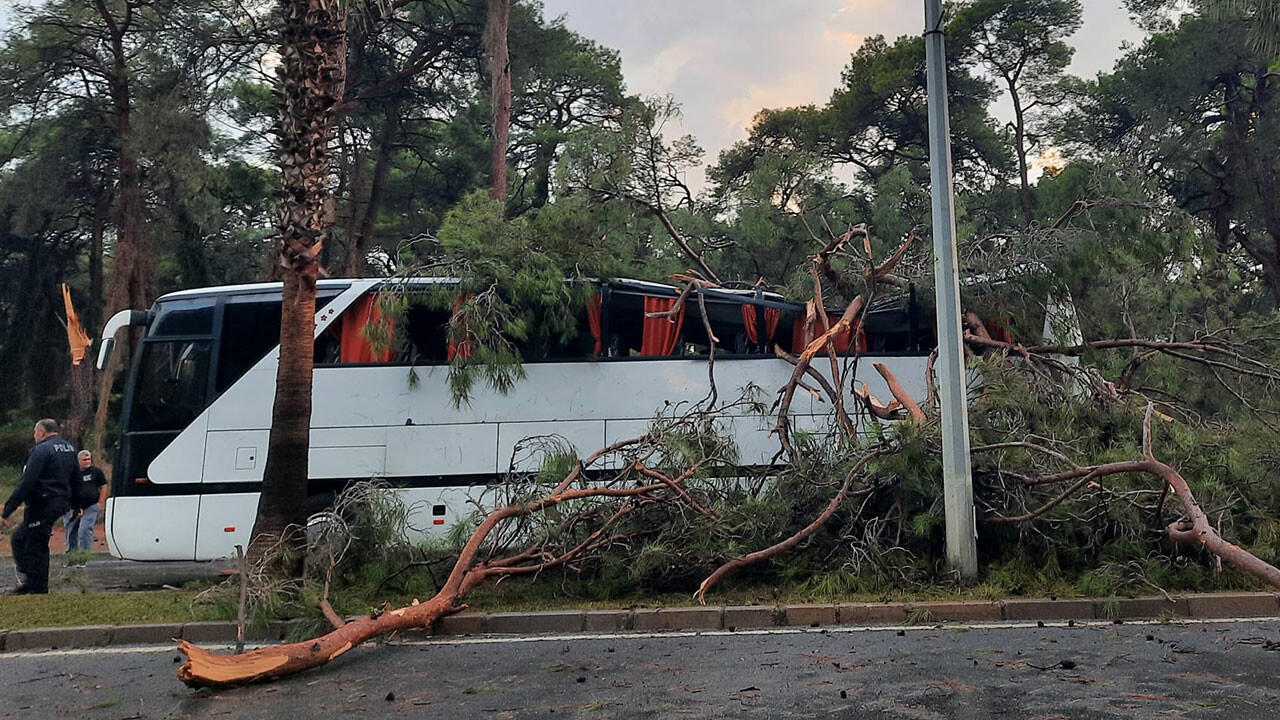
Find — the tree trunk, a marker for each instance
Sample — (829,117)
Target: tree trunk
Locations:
(351,185)
(1020,149)
(542,168)
(81,396)
(16,345)
(357,262)
(312,53)
(1257,175)
(97,302)
(495,40)
(128,285)
(284,478)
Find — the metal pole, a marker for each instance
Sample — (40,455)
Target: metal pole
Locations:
(957,479)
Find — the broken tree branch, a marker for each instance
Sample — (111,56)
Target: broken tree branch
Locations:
(778,548)
(1193,528)
(899,393)
(204,668)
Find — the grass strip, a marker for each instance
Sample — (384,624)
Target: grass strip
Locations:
(103,608)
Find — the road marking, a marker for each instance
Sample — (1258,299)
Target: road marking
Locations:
(828,629)
(105,650)
(631,635)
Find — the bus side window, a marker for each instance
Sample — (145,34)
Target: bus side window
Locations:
(625,323)
(427,331)
(328,345)
(250,329)
(346,340)
(728,323)
(761,325)
(173,379)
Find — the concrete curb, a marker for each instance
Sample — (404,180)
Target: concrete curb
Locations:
(922,612)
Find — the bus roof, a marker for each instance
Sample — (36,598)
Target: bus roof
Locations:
(345,283)
(341,284)
(245,289)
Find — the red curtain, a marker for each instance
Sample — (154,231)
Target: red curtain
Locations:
(798,343)
(660,333)
(593,319)
(771,316)
(464,348)
(843,343)
(999,331)
(354,346)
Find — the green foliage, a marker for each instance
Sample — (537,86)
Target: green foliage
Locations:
(520,282)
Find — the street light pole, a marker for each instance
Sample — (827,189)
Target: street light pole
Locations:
(957,479)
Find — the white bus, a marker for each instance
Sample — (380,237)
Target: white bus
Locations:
(197,403)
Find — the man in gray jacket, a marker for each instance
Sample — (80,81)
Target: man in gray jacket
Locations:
(45,489)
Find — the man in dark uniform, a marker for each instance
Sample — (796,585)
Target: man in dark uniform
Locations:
(45,488)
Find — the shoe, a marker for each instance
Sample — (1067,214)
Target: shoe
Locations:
(21,590)
(81,565)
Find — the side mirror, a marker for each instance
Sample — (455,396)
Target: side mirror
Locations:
(124,318)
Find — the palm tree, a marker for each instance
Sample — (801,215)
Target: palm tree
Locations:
(311,83)
(1263,17)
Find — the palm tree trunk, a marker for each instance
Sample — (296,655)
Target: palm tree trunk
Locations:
(311,83)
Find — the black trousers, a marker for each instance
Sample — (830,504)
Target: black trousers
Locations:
(30,543)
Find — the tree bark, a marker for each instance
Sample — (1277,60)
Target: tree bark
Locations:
(542,168)
(81,378)
(129,283)
(312,55)
(16,346)
(1020,149)
(357,264)
(93,317)
(495,40)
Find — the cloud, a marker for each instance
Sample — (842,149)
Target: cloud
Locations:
(725,60)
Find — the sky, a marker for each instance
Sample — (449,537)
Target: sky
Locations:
(724,60)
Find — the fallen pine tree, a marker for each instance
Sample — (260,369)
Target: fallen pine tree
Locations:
(859,466)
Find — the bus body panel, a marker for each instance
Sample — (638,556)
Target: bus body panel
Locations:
(427,435)
(360,431)
(226,520)
(235,455)
(520,444)
(108,517)
(154,528)
(460,449)
(177,463)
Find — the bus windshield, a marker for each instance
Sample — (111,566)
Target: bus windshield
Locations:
(172,384)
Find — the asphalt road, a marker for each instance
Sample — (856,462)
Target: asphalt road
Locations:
(1214,670)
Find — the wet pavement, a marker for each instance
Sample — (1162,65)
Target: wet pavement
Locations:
(1098,670)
